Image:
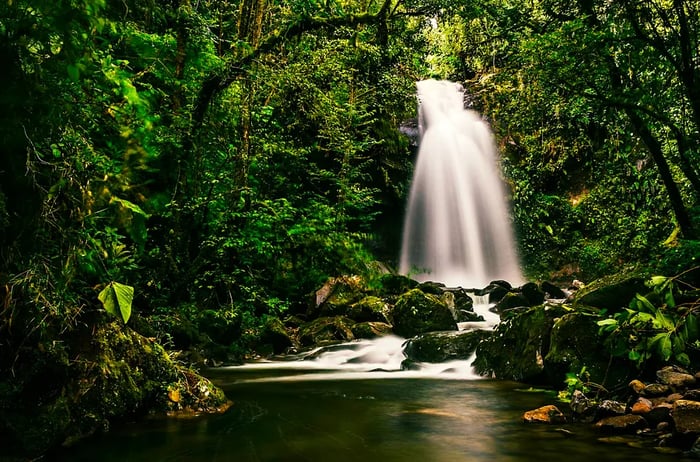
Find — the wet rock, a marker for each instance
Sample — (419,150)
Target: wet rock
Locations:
(533,294)
(371,329)
(675,378)
(395,284)
(509,301)
(326,330)
(612,292)
(610,408)
(574,343)
(693,395)
(435,347)
(551,291)
(433,288)
(659,414)
(686,417)
(518,345)
(641,406)
(369,309)
(336,296)
(460,304)
(495,291)
(637,386)
(627,423)
(275,334)
(583,408)
(416,312)
(549,414)
(655,389)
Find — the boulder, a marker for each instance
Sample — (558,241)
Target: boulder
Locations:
(495,291)
(460,305)
(686,417)
(325,330)
(549,414)
(552,291)
(612,293)
(511,300)
(416,312)
(371,329)
(532,293)
(517,348)
(369,309)
(396,284)
(675,378)
(275,334)
(336,296)
(435,347)
(574,343)
(627,423)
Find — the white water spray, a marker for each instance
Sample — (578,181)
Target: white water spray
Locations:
(457,228)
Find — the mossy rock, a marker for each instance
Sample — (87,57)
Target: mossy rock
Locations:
(574,343)
(370,308)
(510,301)
(612,293)
(437,347)
(371,329)
(336,296)
(325,330)
(396,284)
(117,374)
(275,334)
(517,348)
(416,312)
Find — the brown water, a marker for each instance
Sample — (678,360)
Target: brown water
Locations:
(323,419)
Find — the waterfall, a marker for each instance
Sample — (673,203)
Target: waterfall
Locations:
(457,228)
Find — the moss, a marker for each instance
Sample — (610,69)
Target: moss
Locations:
(416,312)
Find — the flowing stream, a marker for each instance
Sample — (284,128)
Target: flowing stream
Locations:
(457,228)
(351,402)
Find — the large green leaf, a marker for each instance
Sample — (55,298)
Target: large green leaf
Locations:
(117,299)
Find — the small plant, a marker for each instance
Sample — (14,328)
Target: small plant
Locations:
(655,326)
(116,299)
(580,381)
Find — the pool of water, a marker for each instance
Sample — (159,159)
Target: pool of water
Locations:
(283,415)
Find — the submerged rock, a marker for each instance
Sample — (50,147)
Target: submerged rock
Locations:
(549,414)
(416,312)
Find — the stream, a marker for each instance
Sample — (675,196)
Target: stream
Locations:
(352,403)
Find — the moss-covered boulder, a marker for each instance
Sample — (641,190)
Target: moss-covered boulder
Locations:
(275,334)
(369,309)
(518,346)
(416,312)
(510,301)
(336,296)
(612,293)
(437,347)
(574,343)
(371,329)
(396,284)
(325,330)
(106,373)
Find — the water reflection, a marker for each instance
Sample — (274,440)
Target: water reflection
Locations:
(359,420)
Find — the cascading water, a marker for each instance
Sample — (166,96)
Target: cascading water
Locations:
(457,228)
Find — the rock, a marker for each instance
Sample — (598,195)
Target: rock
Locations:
(395,284)
(532,293)
(693,395)
(641,406)
(495,292)
(574,343)
(460,304)
(336,296)
(612,293)
(655,389)
(583,408)
(675,378)
(433,288)
(627,423)
(416,312)
(609,408)
(371,329)
(518,345)
(275,334)
(659,414)
(326,330)
(637,386)
(510,301)
(436,347)
(552,291)
(368,309)
(546,414)
(686,417)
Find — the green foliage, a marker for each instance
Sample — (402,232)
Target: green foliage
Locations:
(655,327)
(117,299)
(575,381)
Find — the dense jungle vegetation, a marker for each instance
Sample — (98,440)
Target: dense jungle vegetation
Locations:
(211,162)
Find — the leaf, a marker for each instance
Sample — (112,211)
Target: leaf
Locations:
(73,72)
(634,355)
(683,359)
(117,299)
(607,322)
